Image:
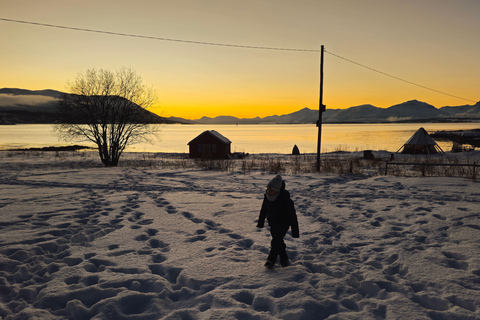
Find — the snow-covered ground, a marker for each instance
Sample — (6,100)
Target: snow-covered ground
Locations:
(79,241)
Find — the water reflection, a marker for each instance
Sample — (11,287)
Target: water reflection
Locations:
(255,138)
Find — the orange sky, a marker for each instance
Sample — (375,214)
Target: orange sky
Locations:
(433,43)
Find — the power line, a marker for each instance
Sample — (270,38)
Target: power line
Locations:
(228,45)
(156,38)
(397,78)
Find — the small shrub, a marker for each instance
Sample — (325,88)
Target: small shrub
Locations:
(275,166)
(247,165)
(214,164)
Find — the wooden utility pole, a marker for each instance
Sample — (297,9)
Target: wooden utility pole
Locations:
(321,109)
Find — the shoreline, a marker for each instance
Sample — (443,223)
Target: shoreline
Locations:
(52,148)
(436,121)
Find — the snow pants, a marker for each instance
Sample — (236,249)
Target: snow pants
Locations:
(278,247)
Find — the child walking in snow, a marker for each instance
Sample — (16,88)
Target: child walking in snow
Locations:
(279,210)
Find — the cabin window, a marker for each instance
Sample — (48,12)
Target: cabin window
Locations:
(200,148)
(214,148)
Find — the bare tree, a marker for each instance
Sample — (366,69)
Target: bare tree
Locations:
(108,109)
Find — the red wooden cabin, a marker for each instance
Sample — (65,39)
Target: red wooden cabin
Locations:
(210,145)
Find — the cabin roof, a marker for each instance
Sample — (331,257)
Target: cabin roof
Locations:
(215,134)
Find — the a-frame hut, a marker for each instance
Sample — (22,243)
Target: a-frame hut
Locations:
(421,143)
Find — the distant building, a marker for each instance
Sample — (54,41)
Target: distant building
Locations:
(210,145)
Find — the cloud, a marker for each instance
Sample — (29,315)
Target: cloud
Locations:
(394,119)
(10,100)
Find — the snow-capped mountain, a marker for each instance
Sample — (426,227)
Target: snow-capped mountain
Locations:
(44,101)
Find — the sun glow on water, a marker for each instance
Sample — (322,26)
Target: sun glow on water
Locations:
(254,138)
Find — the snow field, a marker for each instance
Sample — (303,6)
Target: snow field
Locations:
(86,242)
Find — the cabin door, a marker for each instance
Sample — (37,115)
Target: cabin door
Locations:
(207,151)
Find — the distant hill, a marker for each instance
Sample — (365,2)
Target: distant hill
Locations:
(20,106)
(27,106)
(17,92)
(410,111)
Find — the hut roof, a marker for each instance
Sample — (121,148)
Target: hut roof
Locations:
(421,137)
(214,133)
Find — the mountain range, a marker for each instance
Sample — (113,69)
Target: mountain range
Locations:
(410,111)
(26,106)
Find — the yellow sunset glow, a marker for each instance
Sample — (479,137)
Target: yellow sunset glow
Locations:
(432,43)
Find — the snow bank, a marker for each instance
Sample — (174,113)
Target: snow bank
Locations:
(79,241)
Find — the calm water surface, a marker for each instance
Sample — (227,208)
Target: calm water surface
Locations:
(254,138)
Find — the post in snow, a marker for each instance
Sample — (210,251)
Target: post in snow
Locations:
(321,109)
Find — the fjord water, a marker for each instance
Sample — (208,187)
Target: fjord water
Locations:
(271,138)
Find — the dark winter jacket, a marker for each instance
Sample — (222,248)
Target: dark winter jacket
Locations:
(280,212)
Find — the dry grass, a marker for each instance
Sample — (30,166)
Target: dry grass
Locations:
(336,163)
